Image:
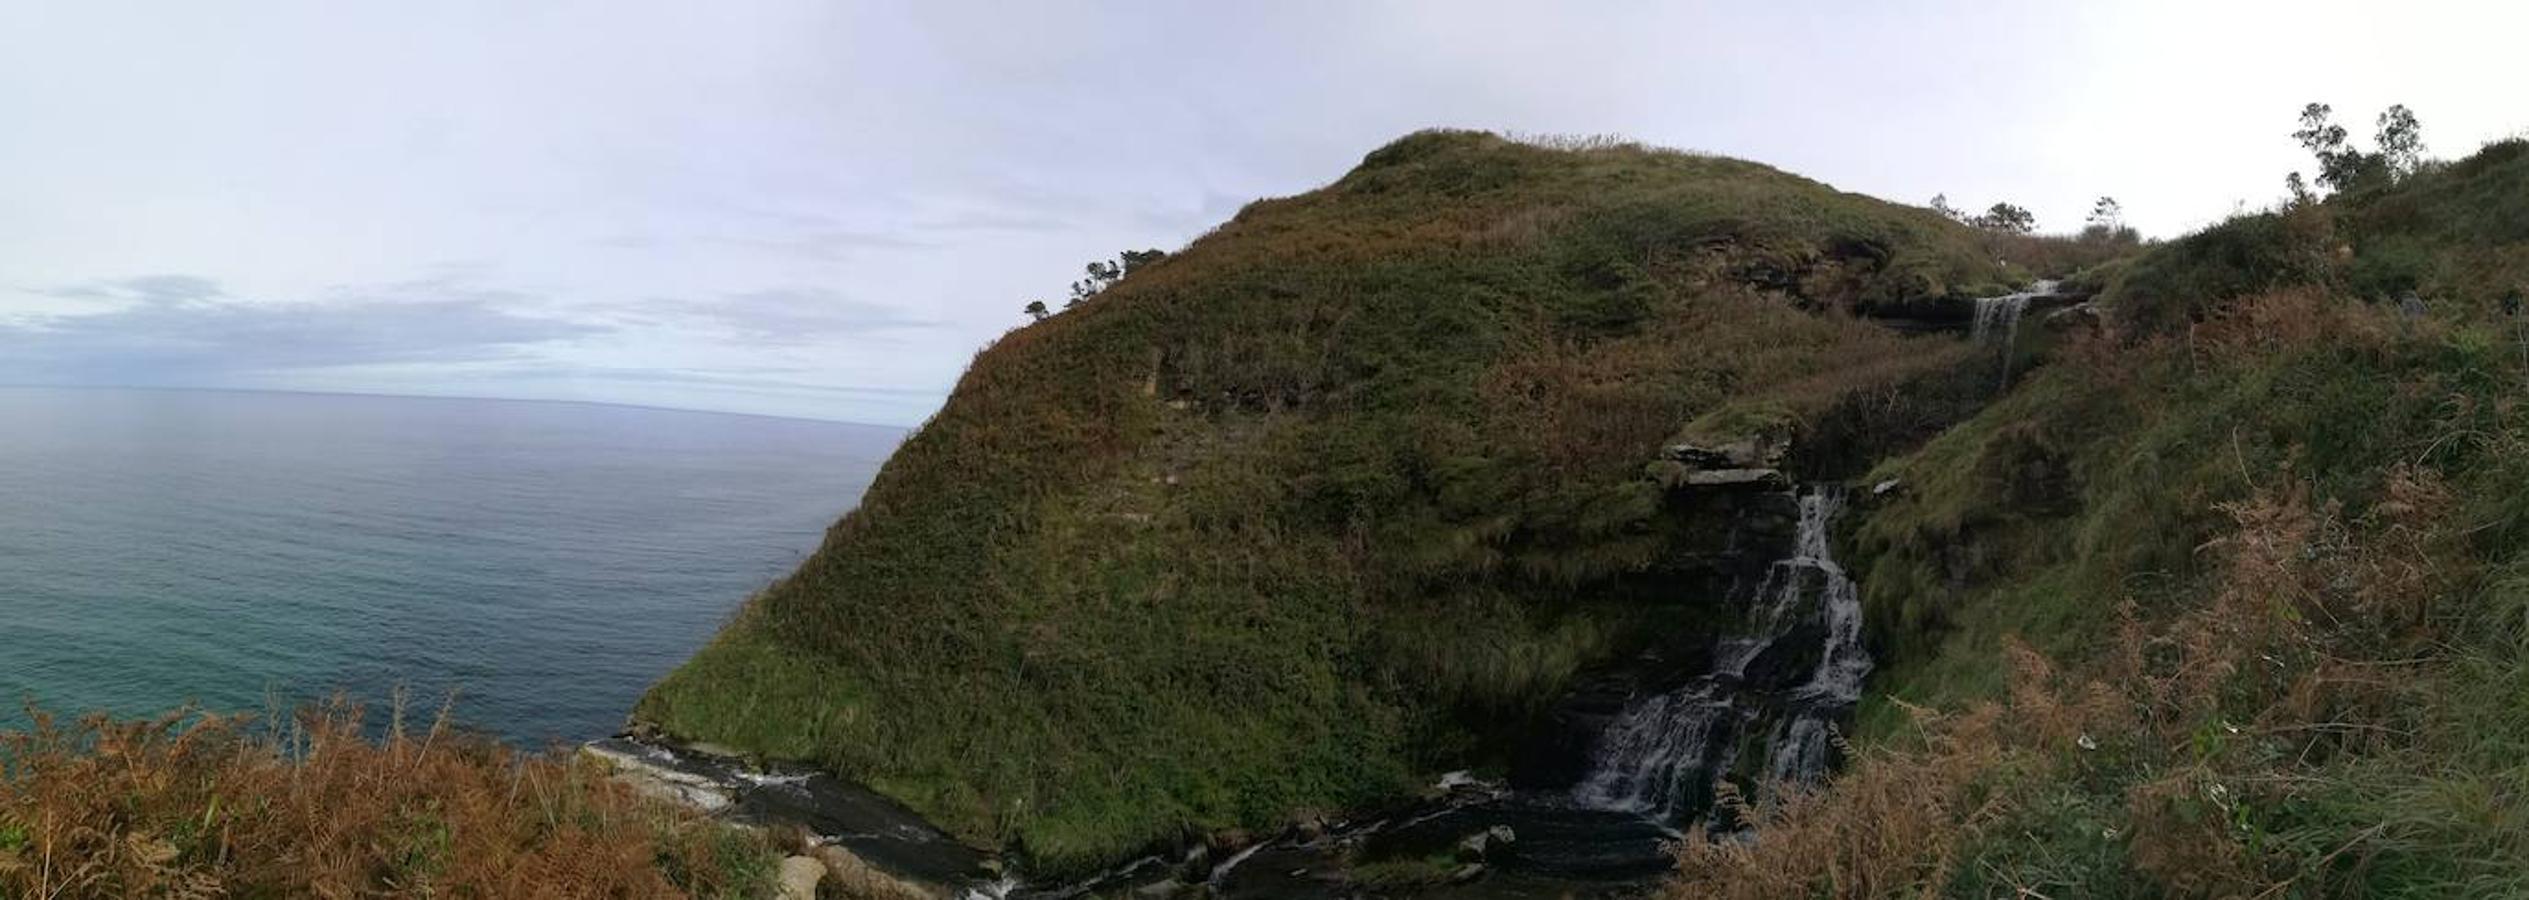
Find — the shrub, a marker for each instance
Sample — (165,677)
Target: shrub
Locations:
(198,805)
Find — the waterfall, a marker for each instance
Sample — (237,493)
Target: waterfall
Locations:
(2002,313)
(1664,753)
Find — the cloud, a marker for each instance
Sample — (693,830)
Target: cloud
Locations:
(785,316)
(997,220)
(181,327)
(150,289)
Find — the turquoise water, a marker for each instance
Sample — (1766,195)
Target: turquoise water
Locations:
(543,562)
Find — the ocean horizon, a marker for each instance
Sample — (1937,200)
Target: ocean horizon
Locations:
(534,564)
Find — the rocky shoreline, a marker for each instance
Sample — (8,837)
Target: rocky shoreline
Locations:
(848,833)
(1463,838)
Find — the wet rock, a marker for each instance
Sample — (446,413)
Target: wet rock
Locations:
(1196,864)
(859,879)
(659,780)
(1491,843)
(799,878)
(2077,317)
(1750,452)
(1787,661)
(892,839)
(1768,478)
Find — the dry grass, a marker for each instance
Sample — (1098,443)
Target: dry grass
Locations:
(2305,653)
(204,806)
(1897,823)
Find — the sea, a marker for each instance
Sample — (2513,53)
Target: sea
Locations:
(531,567)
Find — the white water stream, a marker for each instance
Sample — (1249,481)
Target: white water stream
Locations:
(1667,750)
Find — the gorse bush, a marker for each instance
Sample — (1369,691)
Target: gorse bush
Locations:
(206,806)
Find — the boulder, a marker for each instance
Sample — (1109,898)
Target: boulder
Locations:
(799,878)
(1490,844)
(651,779)
(858,878)
(1769,478)
(2077,317)
(1746,452)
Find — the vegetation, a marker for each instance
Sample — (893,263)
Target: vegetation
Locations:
(2227,600)
(2343,167)
(1102,274)
(1337,496)
(2006,218)
(2106,224)
(206,806)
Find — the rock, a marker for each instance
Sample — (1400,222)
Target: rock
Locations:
(1458,779)
(703,748)
(859,879)
(1752,452)
(1736,477)
(2411,306)
(2077,317)
(659,782)
(1160,890)
(1881,489)
(1491,843)
(1467,873)
(799,878)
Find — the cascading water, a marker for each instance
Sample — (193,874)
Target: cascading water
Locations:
(2002,314)
(1665,753)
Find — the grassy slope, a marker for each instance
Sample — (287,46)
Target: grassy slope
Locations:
(1311,505)
(2271,541)
(201,806)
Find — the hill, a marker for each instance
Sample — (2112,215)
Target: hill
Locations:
(1343,494)
(2227,600)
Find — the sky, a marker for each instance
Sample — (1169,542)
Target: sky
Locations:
(823,209)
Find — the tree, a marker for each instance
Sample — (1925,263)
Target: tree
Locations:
(2401,140)
(2107,214)
(2006,218)
(1135,259)
(1104,273)
(2342,166)
(2338,164)
(1036,309)
(1940,204)
(2107,224)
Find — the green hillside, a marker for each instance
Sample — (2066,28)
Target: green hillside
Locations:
(1337,496)
(2231,599)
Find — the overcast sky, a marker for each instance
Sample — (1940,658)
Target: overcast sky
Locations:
(823,209)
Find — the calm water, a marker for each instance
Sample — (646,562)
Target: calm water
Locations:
(544,561)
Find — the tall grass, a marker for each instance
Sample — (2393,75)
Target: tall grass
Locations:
(2225,602)
(193,805)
